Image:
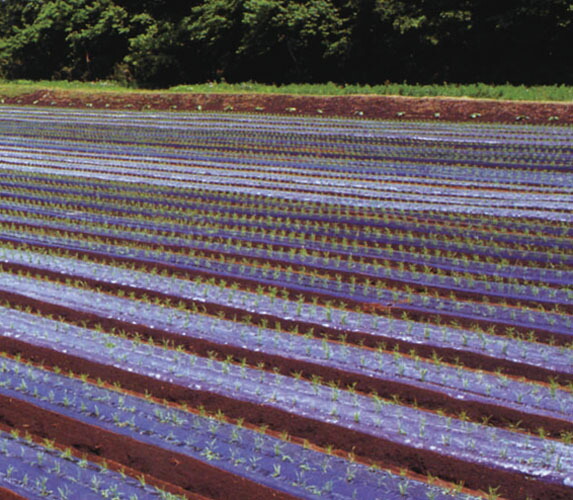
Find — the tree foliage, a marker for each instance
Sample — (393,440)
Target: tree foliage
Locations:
(157,42)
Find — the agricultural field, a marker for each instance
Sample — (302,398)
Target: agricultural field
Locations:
(250,306)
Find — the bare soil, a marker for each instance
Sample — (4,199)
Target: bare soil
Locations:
(6,494)
(364,106)
(193,477)
(174,472)
(206,480)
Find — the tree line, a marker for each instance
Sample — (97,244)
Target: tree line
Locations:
(156,43)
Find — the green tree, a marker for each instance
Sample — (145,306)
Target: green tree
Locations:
(154,56)
(64,39)
(156,43)
(213,32)
(97,38)
(33,45)
(428,38)
(302,40)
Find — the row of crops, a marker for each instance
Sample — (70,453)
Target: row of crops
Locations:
(233,306)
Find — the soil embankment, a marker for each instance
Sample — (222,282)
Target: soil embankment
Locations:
(364,106)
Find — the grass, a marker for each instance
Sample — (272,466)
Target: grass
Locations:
(474,90)
(16,88)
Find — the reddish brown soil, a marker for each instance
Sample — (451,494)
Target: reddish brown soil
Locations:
(147,458)
(9,495)
(84,454)
(426,397)
(392,283)
(175,472)
(365,106)
(206,480)
(469,359)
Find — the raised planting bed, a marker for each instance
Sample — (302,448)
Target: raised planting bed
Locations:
(199,450)
(429,383)
(377,428)
(516,356)
(34,470)
(239,306)
(546,324)
(341,266)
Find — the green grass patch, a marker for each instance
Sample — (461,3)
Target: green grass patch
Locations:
(15,88)
(474,90)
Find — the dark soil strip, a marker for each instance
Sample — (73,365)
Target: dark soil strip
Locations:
(449,355)
(391,283)
(397,311)
(513,485)
(6,494)
(105,462)
(427,397)
(167,466)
